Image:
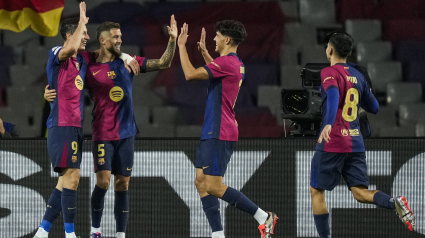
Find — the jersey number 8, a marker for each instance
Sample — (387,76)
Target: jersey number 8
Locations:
(350,104)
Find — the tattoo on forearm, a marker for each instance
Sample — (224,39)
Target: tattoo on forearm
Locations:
(165,61)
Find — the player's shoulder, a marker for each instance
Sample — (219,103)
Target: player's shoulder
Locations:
(329,71)
(55,50)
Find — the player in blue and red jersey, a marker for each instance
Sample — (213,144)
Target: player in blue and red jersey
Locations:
(114,128)
(340,149)
(66,70)
(220,129)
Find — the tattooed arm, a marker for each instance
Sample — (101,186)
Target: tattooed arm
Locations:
(165,60)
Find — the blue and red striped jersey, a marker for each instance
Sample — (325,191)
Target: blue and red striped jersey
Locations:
(354,93)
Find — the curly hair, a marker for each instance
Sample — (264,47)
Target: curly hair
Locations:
(69,26)
(342,43)
(233,29)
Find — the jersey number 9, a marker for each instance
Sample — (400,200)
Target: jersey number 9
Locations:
(350,103)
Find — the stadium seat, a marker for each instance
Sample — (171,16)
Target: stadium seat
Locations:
(148,98)
(164,115)
(189,131)
(142,115)
(411,113)
(5,80)
(50,42)
(313,54)
(7,55)
(382,73)
(298,34)
(244,98)
(364,30)
(385,118)
(270,96)
(260,74)
(420,130)
(11,38)
(399,93)
(407,51)
(317,12)
(290,77)
(24,75)
(373,51)
(289,9)
(154,130)
(415,71)
(288,55)
(403,131)
(404,29)
(191,94)
(143,80)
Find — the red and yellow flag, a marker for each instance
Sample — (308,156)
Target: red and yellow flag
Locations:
(42,16)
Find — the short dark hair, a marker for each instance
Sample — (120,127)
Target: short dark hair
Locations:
(233,29)
(342,43)
(69,26)
(106,26)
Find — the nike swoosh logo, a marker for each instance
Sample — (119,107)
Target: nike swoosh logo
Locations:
(96,72)
(205,167)
(69,208)
(128,169)
(124,211)
(97,210)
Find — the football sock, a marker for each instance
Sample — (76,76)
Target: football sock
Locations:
(53,210)
(97,204)
(69,208)
(120,235)
(322,225)
(121,210)
(211,207)
(261,216)
(218,234)
(384,200)
(240,201)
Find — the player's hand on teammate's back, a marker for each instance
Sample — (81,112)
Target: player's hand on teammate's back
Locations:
(183,35)
(325,134)
(201,44)
(132,66)
(49,95)
(172,29)
(83,18)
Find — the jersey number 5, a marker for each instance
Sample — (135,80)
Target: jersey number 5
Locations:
(351,102)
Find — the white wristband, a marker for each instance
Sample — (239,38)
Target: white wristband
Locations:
(127,57)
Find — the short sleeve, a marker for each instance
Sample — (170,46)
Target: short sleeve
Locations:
(142,62)
(54,55)
(328,78)
(88,55)
(217,68)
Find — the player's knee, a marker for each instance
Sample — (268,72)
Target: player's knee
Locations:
(315,192)
(103,183)
(212,189)
(199,183)
(122,185)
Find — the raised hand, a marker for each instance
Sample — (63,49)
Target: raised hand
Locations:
(201,44)
(83,18)
(172,29)
(183,35)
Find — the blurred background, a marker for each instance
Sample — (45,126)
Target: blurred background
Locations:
(282,37)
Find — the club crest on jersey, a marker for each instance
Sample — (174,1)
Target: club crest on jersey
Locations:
(79,82)
(344,132)
(77,65)
(74,159)
(101,161)
(111,75)
(116,94)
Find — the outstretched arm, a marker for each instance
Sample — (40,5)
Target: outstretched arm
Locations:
(74,43)
(203,49)
(189,71)
(165,60)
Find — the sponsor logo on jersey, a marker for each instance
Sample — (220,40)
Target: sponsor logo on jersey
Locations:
(350,132)
(74,159)
(116,94)
(111,75)
(344,132)
(79,82)
(101,161)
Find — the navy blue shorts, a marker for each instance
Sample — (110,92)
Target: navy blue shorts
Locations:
(327,168)
(213,156)
(64,144)
(116,156)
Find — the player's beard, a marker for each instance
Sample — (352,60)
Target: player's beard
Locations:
(114,51)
